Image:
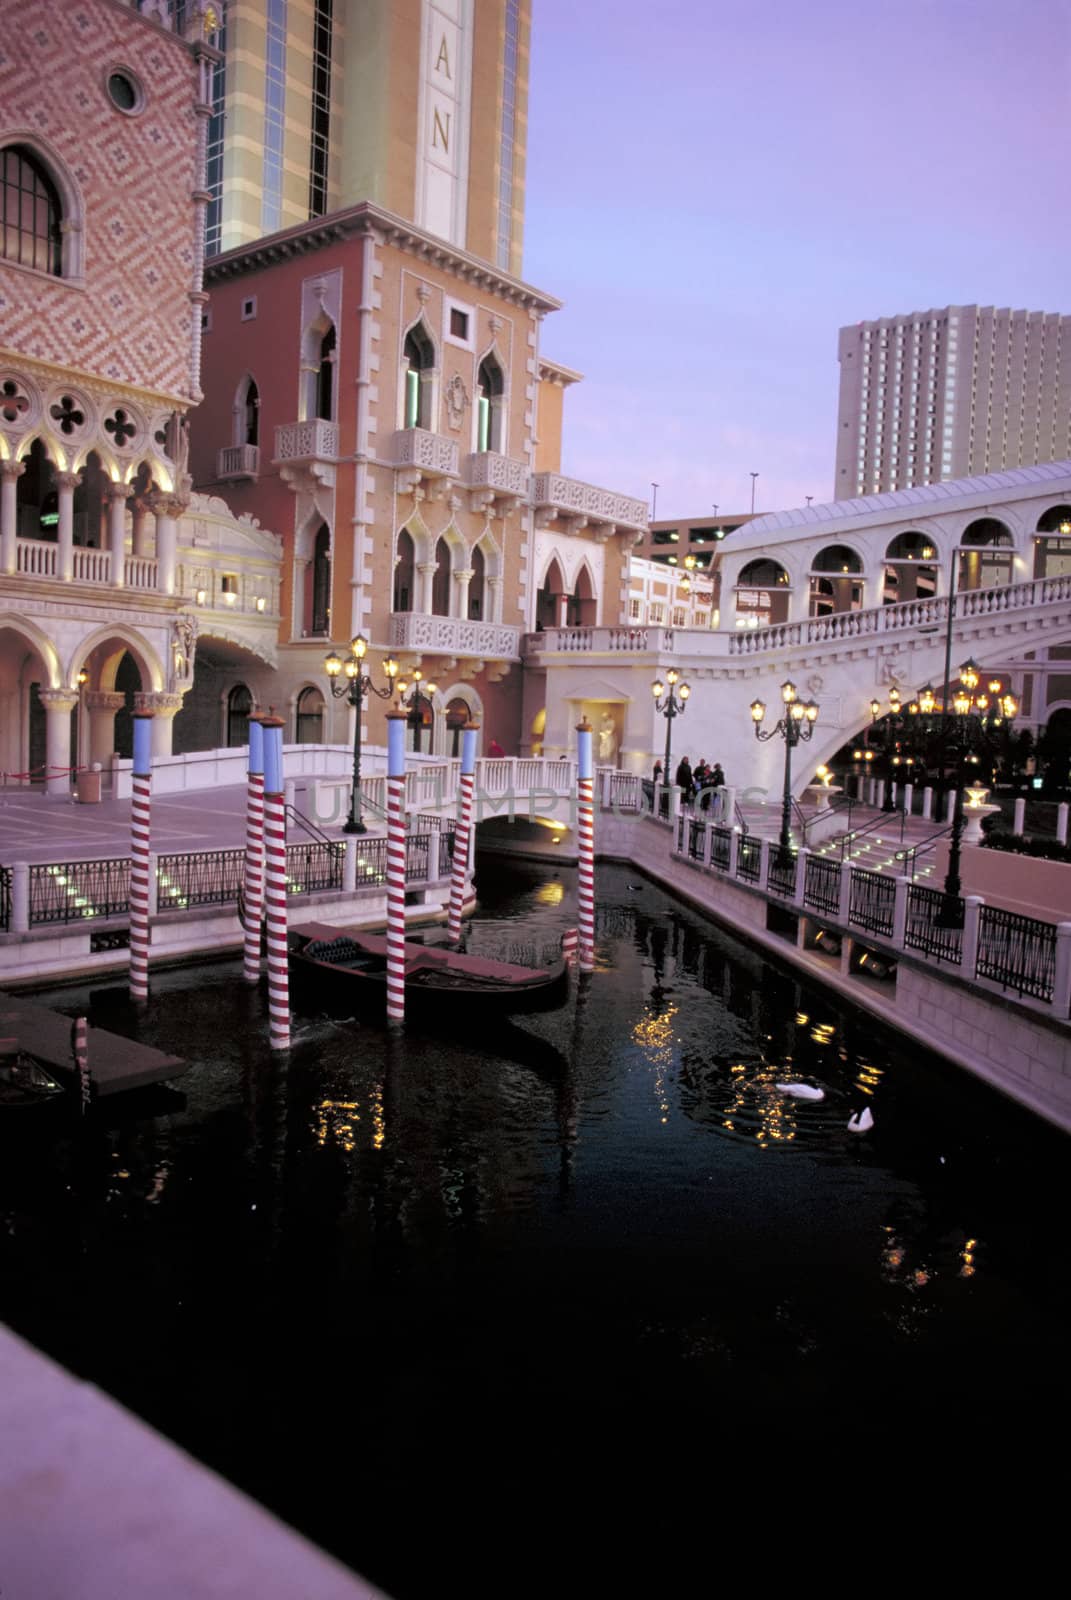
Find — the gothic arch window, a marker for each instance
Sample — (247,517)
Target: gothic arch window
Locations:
(456,719)
(88,507)
(477,605)
(30,212)
(910,571)
(581,604)
(418,365)
(325,377)
(309,717)
(36,498)
(247,413)
(403,573)
(761,593)
(440,583)
(239,706)
(318,585)
(490,392)
(548,600)
(987,556)
(421,720)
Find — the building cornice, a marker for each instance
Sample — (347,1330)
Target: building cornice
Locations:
(367,220)
(554,372)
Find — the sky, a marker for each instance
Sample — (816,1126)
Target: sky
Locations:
(715,189)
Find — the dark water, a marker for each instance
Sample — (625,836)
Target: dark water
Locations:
(578,1295)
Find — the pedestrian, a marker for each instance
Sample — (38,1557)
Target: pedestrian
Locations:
(717,776)
(683,780)
(494,749)
(657,772)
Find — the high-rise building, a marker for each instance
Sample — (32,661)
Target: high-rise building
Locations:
(953,393)
(419,107)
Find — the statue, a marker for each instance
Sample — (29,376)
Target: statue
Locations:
(607,738)
(183,645)
(178,443)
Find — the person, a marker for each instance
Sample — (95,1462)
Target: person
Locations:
(683,779)
(717,776)
(658,772)
(494,749)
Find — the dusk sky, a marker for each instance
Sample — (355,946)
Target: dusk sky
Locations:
(715,188)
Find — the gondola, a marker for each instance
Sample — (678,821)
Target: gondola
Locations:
(348,967)
(30,1094)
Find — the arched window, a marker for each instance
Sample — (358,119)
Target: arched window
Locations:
(249,414)
(325,378)
(548,601)
(836,558)
(310,717)
(418,362)
(762,592)
(490,389)
(421,718)
(239,705)
(476,590)
(580,607)
(457,716)
(403,573)
(986,555)
(440,584)
(30,212)
(88,503)
(36,499)
(839,591)
(1052,543)
(318,585)
(910,571)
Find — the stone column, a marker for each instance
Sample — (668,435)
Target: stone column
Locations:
(164,708)
(927,804)
(139,528)
(10,473)
(427,570)
(493,587)
(66,483)
(117,495)
(58,704)
(167,508)
(462,578)
(1019,824)
(101,706)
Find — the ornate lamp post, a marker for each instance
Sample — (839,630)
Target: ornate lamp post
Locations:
(795,727)
(410,695)
(892,724)
(356,685)
(674,705)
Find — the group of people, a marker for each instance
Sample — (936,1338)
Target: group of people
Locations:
(690,780)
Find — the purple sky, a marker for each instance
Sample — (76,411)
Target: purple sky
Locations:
(716,186)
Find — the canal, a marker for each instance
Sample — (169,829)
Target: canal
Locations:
(584,1291)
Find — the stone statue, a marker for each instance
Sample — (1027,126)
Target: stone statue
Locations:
(607,738)
(178,443)
(183,646)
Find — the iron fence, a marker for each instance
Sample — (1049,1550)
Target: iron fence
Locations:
(371,861)
(720,847)
(5,899)
(870,903)
(821,885)
(416,858)
(680,832)
(79,889)
(781,873)
(314,866)
(447,839)
(209,878)
(625,792)
(749,859)
(922,930)
(697,840)
(1017,952)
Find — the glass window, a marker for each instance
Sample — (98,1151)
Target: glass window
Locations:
(30,213)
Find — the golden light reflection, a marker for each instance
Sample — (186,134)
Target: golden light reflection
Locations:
(968,1269)
(869,1077)
(757,1080)
(654,1035)
(379,1120)
(550,894)
(335,1123)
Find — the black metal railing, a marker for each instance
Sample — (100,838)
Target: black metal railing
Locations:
(697,840)
(922,929)
(625,792)
(416,858)
(680,832)
(209,878)
(780,872)
(821,885)
(5,899)
(720,847)
(749,859)
(447,840)
(371,862)
(663,804)
(870,903)
(79,889)
(1017,952)
(314,866)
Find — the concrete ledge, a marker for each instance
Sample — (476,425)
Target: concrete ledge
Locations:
(93,1503)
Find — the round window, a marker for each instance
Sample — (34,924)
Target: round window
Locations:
(123,91)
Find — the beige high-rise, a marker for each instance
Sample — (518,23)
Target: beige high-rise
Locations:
(420,106)
(952,393)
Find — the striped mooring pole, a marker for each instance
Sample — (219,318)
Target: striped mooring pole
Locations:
(396,721)
(585,832)
(80,1051)
(139,856)
(275,885)
(253,880)
(463,831)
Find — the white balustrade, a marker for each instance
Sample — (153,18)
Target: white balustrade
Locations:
(315,440)
(36,558)
(456,636)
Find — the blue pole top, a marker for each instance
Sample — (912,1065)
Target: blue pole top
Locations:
(584,762)
(143,743)
(273,755)
(469,739)
(256,745)
(396,721)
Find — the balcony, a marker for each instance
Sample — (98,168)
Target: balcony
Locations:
(306,452)
(569,506)
(422,459)
(454,636)
(494,480)
(236,462)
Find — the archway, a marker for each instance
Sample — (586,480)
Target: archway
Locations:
(1052,543)
(490,392)
(309,716)
(835,583)
(420,724)
(987,555)
(239,708)
(440,583)
(418,367)
(404,569)
(476,586)
(28,664)
(761,594)
(89,503)
(910,571)
(581,606)
(456,719)
(317,606)
(36,496)
(549,598)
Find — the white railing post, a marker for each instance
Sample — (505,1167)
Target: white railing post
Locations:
(972,910)
(844,909)
(20,897)
(909,797)
(154,884)
(901,890)
(734,851)
(879,792)
(1061,988)
(950,805)
(349,865)
(674,803)
(1061,821)
(801,875)
(433,854)
(1019,819)
(927,804)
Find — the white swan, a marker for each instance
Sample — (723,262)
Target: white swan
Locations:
(801,1091)
(862,1122)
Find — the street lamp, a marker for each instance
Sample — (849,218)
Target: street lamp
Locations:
(892,723)
(411,694)
(356,686)
(674,706)
(795,727)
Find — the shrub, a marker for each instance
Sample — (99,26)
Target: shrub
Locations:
(1018,844)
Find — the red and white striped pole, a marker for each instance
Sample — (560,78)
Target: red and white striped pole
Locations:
(253,881)
(463,831)
(585,831)
(139,856)
(396,721)
(80,1051)
(275,885)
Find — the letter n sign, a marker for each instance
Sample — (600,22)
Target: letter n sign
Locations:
(440,131)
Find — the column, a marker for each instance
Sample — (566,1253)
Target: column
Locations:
(101,706)
(426,570)
(927,804)
(1019,824)
(139,528)
(164,708)
(275,885)
(10,473)
(462,578)
(1061,821)
(493,587)
(167,508)
(58,704)
(66,483)
(116,496)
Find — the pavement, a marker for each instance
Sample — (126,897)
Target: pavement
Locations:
(36,827)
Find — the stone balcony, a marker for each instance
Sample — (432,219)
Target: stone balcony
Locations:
(422,460)
(236,462)
(306,452)
(494,480)
(569,506)
(475,643)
